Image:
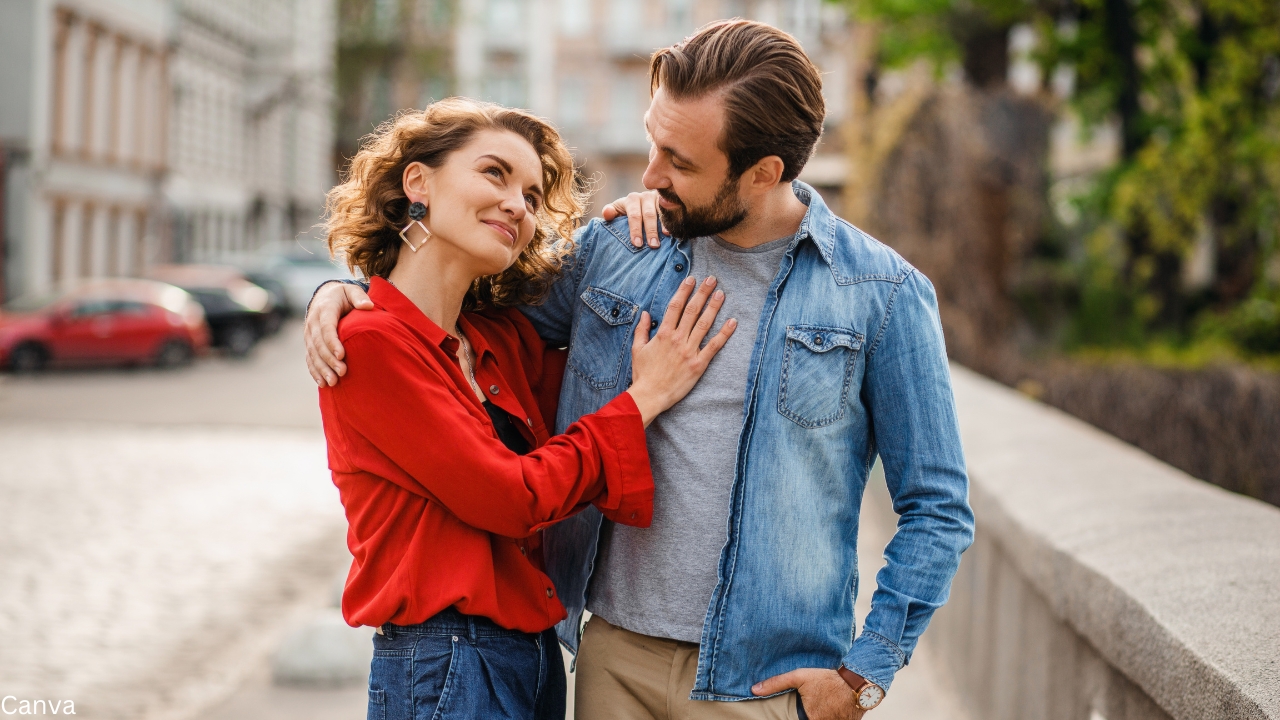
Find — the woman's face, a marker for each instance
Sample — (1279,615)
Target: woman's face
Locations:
(483,201)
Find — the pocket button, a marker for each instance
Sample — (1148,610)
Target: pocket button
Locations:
(817,339)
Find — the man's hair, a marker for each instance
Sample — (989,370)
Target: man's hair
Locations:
(772,91)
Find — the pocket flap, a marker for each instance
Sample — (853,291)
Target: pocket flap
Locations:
(613,309)
(822,339)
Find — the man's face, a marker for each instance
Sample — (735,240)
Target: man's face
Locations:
(696,197)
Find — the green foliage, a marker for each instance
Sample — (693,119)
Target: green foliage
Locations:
(1195,88)
(932,29)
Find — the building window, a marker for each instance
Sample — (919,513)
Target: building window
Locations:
(625,14)
(506,89)
(434,15)
(379,98)
(575,17)
(505,18)
(572,111)
(680,15)
(386,15)
(433,89)
(626,113)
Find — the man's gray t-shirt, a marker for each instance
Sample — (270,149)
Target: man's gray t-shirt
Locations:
(658,580)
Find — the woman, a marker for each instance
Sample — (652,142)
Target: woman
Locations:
(436,439)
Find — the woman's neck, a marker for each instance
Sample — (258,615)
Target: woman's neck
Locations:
(433,281)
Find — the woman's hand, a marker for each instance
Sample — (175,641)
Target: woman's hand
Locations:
(665,368)
(641,210)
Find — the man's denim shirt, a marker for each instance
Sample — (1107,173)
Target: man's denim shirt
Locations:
(848,363)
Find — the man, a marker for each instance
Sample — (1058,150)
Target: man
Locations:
(743,587)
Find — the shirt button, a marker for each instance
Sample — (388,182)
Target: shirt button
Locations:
(633,516)
(549,592)
(653,324)
(679,267)
(613,312)
(817,339)
(528,421)
(523,552)
(493,389)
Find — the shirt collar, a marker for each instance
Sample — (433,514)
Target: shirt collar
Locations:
(389,297)
(819,224)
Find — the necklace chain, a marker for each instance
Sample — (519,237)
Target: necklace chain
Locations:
(469,357)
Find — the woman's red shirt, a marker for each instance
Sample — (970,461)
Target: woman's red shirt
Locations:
(440,513)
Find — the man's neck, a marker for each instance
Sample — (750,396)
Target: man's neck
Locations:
(777,215)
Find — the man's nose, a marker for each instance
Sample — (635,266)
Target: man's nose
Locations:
(653,178)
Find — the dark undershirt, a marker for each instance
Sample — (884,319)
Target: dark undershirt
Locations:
(508,433)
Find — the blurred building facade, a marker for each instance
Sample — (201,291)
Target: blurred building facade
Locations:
(581,63)
(144,131)
(252,98)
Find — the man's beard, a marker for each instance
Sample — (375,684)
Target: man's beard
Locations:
(723,213)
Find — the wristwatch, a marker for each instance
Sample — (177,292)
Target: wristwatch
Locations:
(868,693)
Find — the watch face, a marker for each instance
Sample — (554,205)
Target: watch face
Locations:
(870,696)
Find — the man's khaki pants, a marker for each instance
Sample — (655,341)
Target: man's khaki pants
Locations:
(627,676)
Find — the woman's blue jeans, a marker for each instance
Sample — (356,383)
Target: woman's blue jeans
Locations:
(463,666)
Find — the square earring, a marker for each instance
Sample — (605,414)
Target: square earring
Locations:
(417,211)
(405,237)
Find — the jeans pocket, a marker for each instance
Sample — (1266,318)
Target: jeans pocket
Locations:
(817,366)
(410,676)
(601,336)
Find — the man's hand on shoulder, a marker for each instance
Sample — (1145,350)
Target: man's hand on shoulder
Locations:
(825,694)
(641,210)
(324,350)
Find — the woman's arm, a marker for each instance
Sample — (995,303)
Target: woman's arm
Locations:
(397,417)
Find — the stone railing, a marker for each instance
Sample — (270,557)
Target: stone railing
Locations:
(1103,584)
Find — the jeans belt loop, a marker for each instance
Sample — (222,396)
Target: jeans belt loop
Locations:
(471,629)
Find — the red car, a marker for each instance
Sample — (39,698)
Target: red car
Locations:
(107,322)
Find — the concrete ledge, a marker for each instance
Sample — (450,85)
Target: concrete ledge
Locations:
(1104,582)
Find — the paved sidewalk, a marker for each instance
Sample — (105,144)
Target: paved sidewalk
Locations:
(159,530)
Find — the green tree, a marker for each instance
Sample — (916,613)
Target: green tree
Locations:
(1183,237)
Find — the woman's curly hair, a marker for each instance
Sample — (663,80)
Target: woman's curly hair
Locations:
(364,214)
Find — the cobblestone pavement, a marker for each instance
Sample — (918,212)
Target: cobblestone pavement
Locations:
(154,542)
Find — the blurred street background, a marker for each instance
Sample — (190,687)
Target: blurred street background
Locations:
(1092,185)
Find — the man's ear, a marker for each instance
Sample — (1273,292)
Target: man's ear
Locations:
(766,173)
(414,182)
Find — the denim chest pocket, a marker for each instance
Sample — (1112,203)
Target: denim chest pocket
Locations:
(601,338)
(817,367)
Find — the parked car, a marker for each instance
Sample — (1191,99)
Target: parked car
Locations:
(297,270)
(239,312)
(279,298)
(107,322)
